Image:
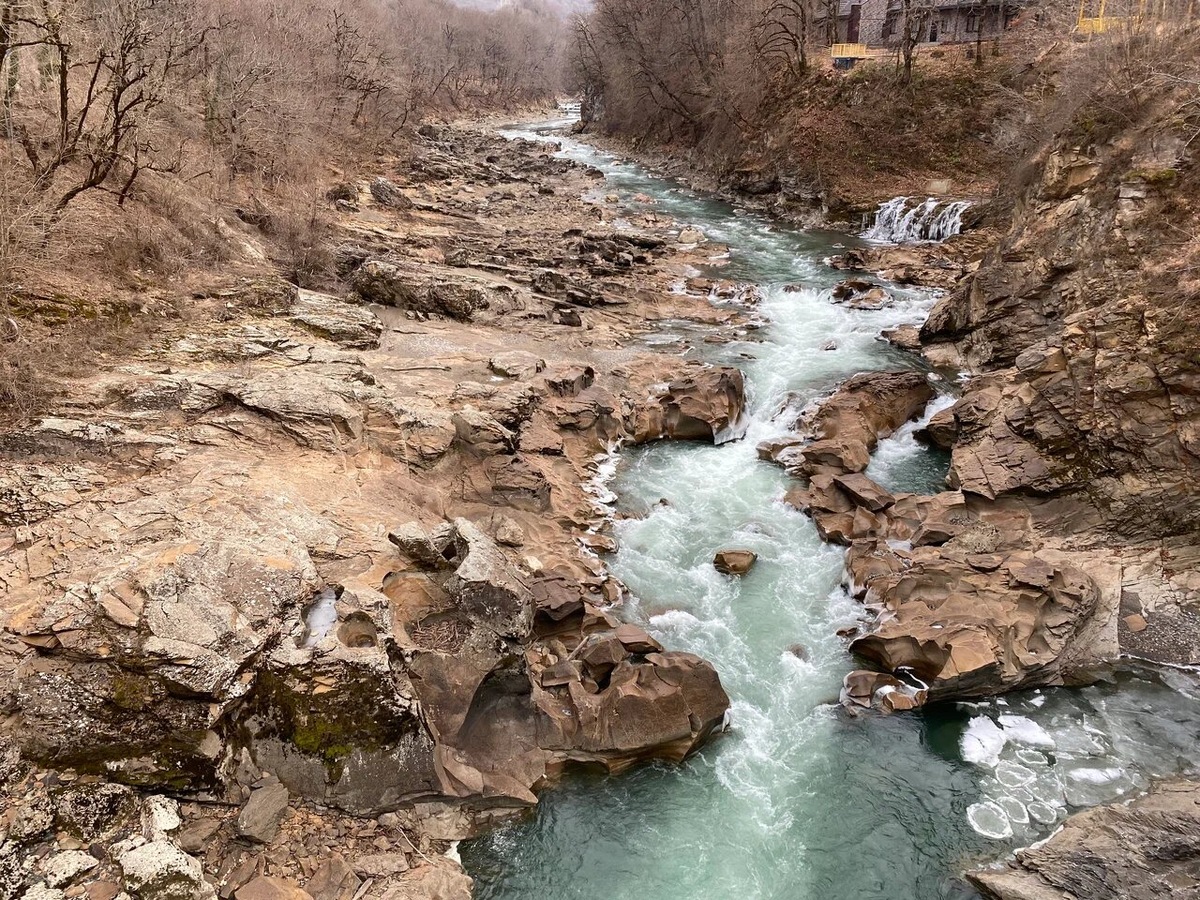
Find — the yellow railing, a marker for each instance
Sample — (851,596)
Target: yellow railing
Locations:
(1100,24)
(849,51)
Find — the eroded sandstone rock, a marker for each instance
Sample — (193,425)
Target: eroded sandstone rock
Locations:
(706,406)
(734,562)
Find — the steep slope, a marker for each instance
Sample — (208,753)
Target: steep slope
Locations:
(1082,324)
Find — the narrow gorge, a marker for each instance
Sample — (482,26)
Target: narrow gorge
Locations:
(574,501)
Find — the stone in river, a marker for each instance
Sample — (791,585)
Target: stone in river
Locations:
(734,562)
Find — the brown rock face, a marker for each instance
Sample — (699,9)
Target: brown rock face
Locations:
(844,428)
(1087,402)
(267,888)
(1146,850)
(966,601)
(497,711)
(966,632)
(706,406)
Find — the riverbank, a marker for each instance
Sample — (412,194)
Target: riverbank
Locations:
(1044,753)
(291,561)
(517,341)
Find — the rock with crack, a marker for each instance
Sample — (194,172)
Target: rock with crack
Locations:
(840,432)
(385,193)
(337,720)
(481,434)
(131,673)
(393,283)
(619,707)
(336,320)
(520,364)
(705,406)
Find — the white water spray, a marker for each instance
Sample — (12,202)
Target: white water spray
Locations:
(905,221)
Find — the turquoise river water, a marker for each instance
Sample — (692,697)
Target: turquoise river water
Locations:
(798,801)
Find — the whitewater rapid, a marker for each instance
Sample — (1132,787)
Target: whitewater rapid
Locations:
(799,800)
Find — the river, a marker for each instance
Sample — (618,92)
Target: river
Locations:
(798,800)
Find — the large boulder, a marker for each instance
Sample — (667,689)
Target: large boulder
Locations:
(871,406)
(135,670)
(707,406)
(392,283)
(159,870)
(975,624)
(838,434)
(656,706)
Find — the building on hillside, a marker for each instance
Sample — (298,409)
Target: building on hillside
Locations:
(880,22)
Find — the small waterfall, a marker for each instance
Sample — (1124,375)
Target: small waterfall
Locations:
(904,221)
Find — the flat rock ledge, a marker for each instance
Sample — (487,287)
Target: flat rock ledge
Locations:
(1148,849)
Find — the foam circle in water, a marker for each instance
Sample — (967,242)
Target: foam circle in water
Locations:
(1042,813)
(989,819)
(1013,775)
(1015,810)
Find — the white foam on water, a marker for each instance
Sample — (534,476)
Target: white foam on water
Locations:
(898,452)
(982,742)
(1096,776)
(989,819)
(1023,730)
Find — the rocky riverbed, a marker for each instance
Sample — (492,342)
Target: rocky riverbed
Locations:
(321,565)
(308,590)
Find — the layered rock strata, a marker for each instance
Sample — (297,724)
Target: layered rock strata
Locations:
(316,554)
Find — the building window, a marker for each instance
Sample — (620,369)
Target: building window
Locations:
(972,22)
